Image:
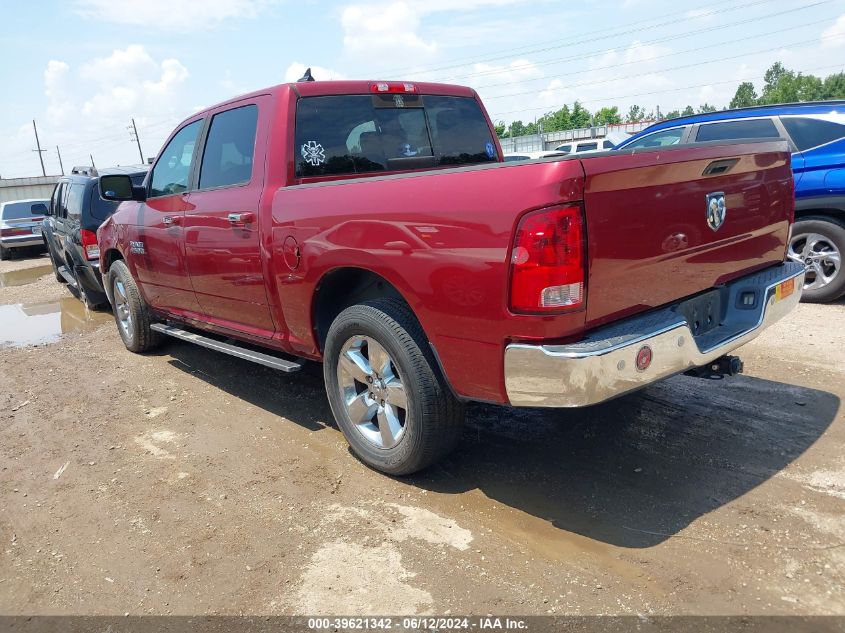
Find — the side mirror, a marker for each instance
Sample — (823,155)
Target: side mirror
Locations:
(119,188)
(39,208)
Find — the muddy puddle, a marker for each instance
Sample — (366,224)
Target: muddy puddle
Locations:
(31,324)
(24,276)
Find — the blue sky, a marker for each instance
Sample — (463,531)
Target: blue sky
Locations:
(83,68)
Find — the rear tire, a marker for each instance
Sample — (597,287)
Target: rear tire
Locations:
(821,241)
(83,295)
(5,253)
(386,390)
(131,312)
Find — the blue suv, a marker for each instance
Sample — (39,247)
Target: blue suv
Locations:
(816,134)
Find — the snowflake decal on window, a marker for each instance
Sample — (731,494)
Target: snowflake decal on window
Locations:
(313,153)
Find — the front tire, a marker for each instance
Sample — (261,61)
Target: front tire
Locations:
(131,312)
(386,391)
(819,245)
(56,273)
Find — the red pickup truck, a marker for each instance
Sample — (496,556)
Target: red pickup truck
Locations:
(374,226)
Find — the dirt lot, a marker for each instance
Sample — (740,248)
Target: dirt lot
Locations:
(188,482)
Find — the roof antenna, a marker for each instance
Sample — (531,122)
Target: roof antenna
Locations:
(306,77)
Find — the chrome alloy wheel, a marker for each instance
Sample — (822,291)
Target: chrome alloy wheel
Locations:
(372,391)
(819,256)
(121,309)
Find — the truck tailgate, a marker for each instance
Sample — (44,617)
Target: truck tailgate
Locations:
(649,238)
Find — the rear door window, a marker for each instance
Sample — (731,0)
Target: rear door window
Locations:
(587,147)
(171,172)
(229,148)
(339,135)
(56,198)
(732,130)
(807,133)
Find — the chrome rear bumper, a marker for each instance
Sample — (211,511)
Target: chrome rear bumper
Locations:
(603,364)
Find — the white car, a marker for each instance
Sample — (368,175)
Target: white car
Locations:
(586,147)
(512,156)
(20,224)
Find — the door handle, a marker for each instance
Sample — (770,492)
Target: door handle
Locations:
(171,220)
(239,219)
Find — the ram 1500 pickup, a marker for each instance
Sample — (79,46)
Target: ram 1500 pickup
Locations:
(374,226)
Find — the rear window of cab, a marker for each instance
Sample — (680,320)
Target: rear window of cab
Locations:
(355,134)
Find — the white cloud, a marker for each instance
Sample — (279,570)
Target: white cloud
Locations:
(171,15)
(56,89)
(128,78)
(389,30)
(297,70)
(834,35)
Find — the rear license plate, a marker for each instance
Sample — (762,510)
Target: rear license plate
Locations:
(703,313)
(36,230)
(784,289)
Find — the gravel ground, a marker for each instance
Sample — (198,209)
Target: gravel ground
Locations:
(188,482)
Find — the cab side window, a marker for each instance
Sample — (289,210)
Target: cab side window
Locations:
(229,149)
(173,169)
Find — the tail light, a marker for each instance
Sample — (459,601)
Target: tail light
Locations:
(89,244)
(15,231)
(547,261)
(392,86)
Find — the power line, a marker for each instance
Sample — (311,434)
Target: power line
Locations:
(654,92)
(660,40)
(520,49)
(651,59)
(681,67)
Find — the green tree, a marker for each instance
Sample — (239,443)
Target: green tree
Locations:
(705,107)
(745,96)
(517,128)
(580,116)
(673,114)
(834,86)
(501,129)
(607,115)
(635,114)
(688,111)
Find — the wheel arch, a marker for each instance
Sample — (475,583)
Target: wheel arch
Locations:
(340,288)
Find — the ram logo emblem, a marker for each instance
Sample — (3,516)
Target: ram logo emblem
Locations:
(716,210)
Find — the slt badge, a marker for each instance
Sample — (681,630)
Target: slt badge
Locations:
(716,210)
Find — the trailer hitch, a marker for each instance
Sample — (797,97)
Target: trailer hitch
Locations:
(718,369)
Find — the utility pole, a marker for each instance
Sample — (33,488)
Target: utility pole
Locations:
(134,136)
(92,161)
(39,150)
(59,154)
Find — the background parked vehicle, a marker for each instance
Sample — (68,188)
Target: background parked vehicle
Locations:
(816,134)
(75,212)
(583,147)
(514,156)
(20,225)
